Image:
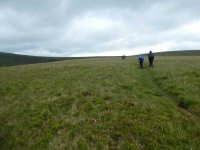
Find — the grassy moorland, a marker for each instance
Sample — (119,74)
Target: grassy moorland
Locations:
(101,104)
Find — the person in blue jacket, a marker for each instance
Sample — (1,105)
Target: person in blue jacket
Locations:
(141,60)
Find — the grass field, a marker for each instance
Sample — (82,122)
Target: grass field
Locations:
(102,103)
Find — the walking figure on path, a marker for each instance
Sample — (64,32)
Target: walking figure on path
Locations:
(123,57)
(151,58)
(141,60)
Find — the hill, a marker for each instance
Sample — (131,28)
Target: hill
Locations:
(8,59)
(101,103)
(179,53)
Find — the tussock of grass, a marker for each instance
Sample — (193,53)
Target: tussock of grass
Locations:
(186,102)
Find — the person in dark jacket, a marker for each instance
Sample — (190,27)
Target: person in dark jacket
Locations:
(151,58)
(141,60)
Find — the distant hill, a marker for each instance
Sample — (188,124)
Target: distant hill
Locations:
(8,59)
(179,53)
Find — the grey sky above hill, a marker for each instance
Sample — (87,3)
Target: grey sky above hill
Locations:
(98,27)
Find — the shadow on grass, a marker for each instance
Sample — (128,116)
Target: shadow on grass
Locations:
(185,102)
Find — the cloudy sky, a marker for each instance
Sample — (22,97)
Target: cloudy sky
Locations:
(98,27)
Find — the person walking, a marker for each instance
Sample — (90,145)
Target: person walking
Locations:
(151,58)
(141,60)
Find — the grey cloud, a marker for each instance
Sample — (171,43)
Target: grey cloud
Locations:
(77,27)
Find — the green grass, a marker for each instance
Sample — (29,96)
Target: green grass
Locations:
(102,103)
(179,77)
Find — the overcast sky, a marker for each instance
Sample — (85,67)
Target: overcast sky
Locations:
(98,27)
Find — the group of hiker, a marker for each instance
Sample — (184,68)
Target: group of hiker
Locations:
(141,59)
(123,56)
(150,57)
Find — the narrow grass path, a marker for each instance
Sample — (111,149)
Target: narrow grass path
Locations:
(166,109)
(172,99)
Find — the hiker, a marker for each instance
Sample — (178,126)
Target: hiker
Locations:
(141,60)
(151,58)
(123,57)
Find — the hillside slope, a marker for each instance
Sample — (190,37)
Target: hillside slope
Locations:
(180,53)
(8,59)
(101,104)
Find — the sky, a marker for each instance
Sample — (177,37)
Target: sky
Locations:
(69,28)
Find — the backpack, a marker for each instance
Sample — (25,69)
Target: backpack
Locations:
(151,56)
(141,58)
